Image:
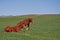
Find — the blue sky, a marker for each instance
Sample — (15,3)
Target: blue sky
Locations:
(18,7)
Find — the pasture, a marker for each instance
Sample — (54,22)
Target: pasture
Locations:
(45,27)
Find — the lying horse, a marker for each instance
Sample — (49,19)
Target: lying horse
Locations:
(17,28)
(12,29)
(9,29)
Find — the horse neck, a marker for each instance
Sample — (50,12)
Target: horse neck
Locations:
(18,26)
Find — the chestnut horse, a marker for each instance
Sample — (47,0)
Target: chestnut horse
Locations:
(17,28)
(25,23)
(12,29)
(20,25)
(9,29)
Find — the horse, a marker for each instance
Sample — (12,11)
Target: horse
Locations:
(25,23)
(17,28)
(20,25)
(9,29)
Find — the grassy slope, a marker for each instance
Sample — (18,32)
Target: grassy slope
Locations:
(45,27)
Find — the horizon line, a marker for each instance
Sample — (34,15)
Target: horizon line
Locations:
(27,14)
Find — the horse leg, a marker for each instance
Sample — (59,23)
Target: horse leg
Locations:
(27,27)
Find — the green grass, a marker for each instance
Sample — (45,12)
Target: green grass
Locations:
(45,27)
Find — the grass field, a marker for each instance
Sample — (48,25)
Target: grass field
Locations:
(45,27)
